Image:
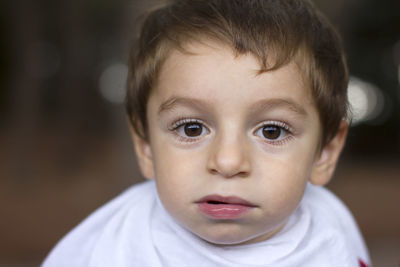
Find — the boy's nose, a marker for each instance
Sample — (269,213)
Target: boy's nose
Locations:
(229,158)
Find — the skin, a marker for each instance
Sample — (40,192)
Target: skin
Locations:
(230,105)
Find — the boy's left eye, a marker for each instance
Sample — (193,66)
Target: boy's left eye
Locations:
(192,129)
(273,131)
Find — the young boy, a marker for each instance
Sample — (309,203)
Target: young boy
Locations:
(238,110)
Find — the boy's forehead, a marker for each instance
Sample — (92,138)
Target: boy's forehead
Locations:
(210,57)
(205,46)
(203,70)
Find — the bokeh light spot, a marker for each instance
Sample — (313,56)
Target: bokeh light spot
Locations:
(366,101)
(112,83)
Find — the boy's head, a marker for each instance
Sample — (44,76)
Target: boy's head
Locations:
(236,105)
(275,32)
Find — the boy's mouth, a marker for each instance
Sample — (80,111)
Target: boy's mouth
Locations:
(219,207)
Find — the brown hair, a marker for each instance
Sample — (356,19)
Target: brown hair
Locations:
(276,32)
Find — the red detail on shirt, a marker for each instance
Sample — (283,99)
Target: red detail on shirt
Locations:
(362,264)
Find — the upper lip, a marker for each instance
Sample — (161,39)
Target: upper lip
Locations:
(233,200)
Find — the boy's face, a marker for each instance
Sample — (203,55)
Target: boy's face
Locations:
(231,151)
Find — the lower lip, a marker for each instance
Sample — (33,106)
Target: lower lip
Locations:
(223,211)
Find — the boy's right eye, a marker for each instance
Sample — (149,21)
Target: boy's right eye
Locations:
(189,129)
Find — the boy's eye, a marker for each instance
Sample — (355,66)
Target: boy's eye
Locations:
(271,132)
(193,129)
(189,129)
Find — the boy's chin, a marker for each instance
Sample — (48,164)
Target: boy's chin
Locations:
(227,241)
(226,238)
(233,239)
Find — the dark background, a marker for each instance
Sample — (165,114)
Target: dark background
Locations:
(64,140)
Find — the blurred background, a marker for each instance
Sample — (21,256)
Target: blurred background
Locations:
(65,147)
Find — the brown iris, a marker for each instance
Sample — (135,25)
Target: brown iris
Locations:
(271,132)
(193,129)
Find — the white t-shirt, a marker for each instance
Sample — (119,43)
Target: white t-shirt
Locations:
(135,230)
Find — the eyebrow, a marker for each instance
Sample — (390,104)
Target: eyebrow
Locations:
(172,102)
(276,103)
(260,106)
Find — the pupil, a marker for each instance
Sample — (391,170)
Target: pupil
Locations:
(271,132)
(193,129)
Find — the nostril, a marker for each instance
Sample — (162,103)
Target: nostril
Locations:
(214,171)
(243,174)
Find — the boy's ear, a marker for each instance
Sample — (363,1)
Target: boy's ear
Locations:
(143,154)
(325,164)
